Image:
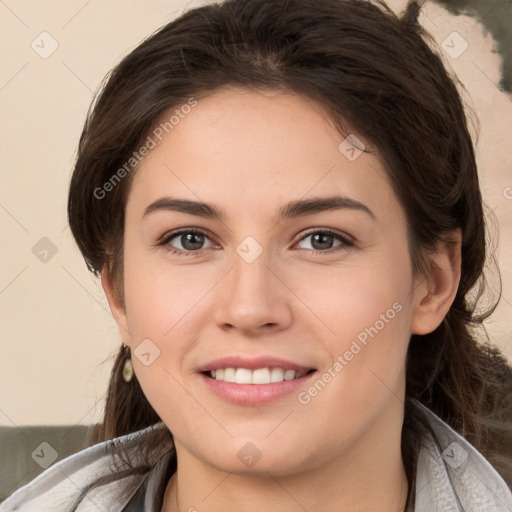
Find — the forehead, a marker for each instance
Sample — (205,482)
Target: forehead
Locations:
(253,148)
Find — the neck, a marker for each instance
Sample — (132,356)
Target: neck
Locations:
(369,477)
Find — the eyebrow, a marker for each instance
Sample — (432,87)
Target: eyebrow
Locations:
(290,210)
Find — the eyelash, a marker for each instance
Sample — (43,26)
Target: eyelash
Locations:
(345,240)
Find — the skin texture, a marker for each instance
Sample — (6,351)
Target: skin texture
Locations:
(249,153)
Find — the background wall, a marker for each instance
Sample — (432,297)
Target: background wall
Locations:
(58,336)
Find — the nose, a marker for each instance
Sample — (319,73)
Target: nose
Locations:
(254,298)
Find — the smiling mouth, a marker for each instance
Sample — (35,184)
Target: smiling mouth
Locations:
(259,376)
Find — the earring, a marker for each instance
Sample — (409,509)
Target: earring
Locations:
(128,370)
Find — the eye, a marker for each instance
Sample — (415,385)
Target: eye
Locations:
(188,241)
(191,242)
(322,240)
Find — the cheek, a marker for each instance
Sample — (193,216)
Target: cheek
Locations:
(161,299)
(366,365)
(365,321)
(354,299)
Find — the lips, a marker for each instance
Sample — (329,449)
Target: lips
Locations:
(256,363)
(254,381)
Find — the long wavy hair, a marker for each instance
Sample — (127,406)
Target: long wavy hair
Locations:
(376,70)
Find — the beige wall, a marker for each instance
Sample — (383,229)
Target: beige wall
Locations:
(57,333)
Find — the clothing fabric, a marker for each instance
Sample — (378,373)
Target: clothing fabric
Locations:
(452,476)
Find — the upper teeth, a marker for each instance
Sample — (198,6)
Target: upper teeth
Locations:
(259,376)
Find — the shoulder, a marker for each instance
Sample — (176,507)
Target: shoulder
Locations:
(453,475)
(60,487)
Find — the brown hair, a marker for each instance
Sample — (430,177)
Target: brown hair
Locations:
(370,67)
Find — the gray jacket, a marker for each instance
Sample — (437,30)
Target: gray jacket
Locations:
(452,476)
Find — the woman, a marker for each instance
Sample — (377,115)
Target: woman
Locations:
(282,201)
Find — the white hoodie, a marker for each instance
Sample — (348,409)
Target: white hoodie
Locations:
(452,476)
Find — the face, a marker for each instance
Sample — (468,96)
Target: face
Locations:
(300,262)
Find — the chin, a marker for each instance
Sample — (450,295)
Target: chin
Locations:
(246,456)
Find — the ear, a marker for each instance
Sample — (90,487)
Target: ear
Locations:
(435,292)
(116,306)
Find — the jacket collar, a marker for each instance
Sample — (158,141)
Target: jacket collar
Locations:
(452,476)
